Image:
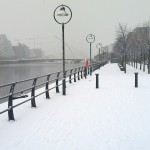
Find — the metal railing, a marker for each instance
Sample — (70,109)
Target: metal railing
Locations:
(72,74)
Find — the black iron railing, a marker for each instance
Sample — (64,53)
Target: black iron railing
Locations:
(72,74)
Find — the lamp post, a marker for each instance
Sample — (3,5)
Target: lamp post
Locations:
(99,46)
(62,15)
(90,39)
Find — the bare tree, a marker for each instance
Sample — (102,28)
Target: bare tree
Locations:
(133,46)
(143,38)
(123,43)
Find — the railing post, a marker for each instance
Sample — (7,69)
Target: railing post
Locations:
(75,74)
(57,88)
(33,104)
(70,76)
(91,70)
(79,73)
(46,88)
(65,78)
(10,102)
(85,72)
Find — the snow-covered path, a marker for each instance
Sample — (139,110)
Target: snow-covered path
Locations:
(114,117)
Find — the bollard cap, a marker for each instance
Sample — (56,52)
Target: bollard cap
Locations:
(136,72)
(97,74)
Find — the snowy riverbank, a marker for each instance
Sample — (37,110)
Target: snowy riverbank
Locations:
(114,117)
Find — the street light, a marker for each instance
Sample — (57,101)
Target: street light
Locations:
(90,39)
(62,15)
(99,46)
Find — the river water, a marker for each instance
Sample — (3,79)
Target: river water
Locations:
(15,72)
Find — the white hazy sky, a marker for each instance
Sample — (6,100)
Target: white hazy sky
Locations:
(24,20)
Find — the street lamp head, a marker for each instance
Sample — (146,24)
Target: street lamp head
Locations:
(90,38)
(99,46)
(62,14)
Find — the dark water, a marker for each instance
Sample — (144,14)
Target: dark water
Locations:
(16,72)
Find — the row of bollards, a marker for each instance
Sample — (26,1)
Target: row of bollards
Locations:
(136,80)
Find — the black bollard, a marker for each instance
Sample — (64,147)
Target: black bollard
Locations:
(97,81)
(136,79)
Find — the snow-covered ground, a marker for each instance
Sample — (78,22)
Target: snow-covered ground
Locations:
(114,117)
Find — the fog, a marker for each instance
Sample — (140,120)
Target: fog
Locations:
(31,22)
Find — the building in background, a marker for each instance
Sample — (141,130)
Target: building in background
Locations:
(6,51)
(22,51)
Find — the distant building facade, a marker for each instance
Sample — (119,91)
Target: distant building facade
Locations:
(142,30)
(22,51)
(6,51)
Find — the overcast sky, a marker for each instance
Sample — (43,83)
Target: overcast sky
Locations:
(26,20)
